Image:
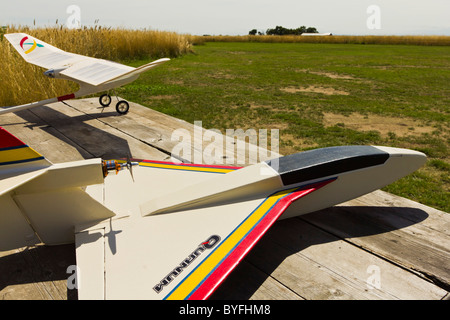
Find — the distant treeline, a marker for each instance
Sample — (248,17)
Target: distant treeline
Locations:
(281,31)
(337,39)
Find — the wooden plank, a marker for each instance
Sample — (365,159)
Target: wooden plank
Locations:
(317,265)
(248,282)
(398,234)
(323,255)
(159,130)
(36,273)
(434,219)
(97,138)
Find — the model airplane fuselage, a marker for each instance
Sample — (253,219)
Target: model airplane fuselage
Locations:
(173,230)
(93,75)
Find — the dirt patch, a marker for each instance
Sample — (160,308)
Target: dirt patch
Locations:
(384,125)
(390,67)
(224,75)
(290,144)
(176,82)
(267,107)
(314,89)
(162,97)
(329,74)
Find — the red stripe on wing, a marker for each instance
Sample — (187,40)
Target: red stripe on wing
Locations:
(207,287)
(7,140)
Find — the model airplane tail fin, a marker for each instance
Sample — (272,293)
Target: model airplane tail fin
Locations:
(16,154)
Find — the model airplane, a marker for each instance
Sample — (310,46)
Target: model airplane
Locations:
(93,75)
(173,231)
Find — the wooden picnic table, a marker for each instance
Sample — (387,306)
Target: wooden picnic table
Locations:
(378,246)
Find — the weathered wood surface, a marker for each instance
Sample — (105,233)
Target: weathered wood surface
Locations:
(378,246)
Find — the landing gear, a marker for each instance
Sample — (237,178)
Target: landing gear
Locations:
(122,106)
(105,100)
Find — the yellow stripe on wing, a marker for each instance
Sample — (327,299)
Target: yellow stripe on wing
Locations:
(187,167)
(18,155)
(32,47)
(216,257)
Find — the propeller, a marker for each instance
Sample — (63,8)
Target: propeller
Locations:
(110,165)
(129,165)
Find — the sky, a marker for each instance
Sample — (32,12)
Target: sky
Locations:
(237,17)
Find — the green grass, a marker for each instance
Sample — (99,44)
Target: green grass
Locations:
(262,86)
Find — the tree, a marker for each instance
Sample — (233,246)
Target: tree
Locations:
(281,31)
(311,30)
(299,31)
(252,32)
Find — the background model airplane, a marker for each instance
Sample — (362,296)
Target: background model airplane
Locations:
(173,231)
(93,75)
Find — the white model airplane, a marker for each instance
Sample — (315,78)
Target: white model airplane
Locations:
(173,231)
(93,75)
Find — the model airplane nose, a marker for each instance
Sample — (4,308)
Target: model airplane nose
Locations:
(319,163)
(53,73)
(50,73)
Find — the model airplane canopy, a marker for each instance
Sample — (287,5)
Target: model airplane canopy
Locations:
(173,230)
(92,74)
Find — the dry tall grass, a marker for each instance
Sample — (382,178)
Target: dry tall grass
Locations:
(21,82)
(394,40)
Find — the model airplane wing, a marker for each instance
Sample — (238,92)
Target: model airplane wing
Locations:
(174,231)
(42,54)
(182,255)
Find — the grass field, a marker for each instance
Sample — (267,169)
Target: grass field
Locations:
(317,95)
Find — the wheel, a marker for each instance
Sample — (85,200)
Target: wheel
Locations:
(105,100)
(122,107)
